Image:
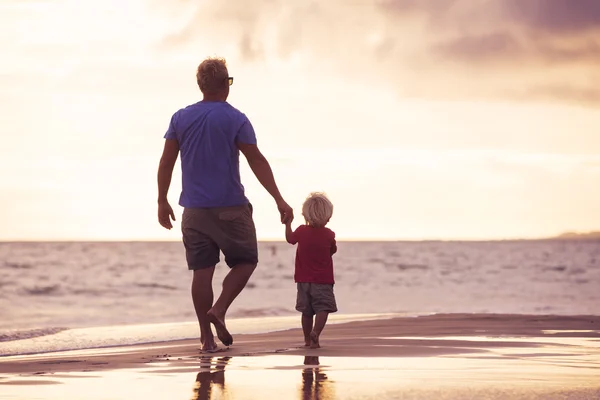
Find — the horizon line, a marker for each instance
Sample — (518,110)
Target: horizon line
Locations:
(278,240)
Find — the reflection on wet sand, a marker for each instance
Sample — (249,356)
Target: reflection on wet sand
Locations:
(208,378)
(315,384)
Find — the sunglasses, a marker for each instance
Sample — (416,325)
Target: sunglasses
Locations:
(230,80)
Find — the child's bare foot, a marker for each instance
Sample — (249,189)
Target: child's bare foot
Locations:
(314,340)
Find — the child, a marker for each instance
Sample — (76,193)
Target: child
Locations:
(314,266)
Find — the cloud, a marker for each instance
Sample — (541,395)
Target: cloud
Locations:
(542,31)
(429,48)
(566,93)
(491,47)
(556,17)
(550,16)
(503,48)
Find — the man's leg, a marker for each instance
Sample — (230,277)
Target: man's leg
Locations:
(233,284)
(237,241)
(202,295)
(202,254)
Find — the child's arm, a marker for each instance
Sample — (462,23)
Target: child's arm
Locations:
(333,245)
(289,235)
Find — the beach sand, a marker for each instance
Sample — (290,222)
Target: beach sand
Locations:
(454,356)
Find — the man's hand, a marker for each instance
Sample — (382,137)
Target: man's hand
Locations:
(286,212)
(165,171)
(165,213)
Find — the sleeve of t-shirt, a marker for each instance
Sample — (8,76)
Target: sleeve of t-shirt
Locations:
(171,133)
(297,234)
(246,132)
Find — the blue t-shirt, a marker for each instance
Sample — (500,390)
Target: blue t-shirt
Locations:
(207,133)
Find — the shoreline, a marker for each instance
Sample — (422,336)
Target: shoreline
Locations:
(368,331)
(141,334)
(435,356)
(242,325)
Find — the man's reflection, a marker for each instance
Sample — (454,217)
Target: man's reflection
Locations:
(315,384)
(211,375)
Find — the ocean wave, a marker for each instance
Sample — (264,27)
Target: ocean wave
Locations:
(5,283)
(42,290)
(556,268)
(155,286)
(260,312)
(17,265)
(577,271)
(28,334)
(90,291)
(405,267)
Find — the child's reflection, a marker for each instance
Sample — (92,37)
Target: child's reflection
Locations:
(315,384)
(209,377)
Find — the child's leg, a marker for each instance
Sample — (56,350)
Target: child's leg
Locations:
(303,305)
(323,303)
(307,327)
(320,321)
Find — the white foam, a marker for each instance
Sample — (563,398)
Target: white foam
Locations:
(112,336)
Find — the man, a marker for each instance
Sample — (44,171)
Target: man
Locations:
(217,215)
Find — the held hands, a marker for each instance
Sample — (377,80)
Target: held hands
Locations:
(165,214)
(285,211)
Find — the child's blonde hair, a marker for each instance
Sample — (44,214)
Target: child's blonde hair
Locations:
(317,209)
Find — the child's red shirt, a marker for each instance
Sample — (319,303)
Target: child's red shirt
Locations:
(314,263)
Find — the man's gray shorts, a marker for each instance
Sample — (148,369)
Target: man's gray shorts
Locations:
(315,297)
(207,231)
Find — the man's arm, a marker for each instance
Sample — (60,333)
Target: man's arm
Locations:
(165,172)
(261,168)
(263,172)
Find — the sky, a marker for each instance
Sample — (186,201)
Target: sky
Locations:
(421,119)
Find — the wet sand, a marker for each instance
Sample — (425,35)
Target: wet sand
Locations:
(455,356)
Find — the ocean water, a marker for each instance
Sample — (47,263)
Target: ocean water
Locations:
(47,288)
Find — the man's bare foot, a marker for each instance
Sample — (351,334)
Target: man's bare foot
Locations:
(314,340)
(209,347)
(307,342)
(222,332)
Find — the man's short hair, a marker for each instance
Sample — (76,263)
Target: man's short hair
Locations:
(212,74)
